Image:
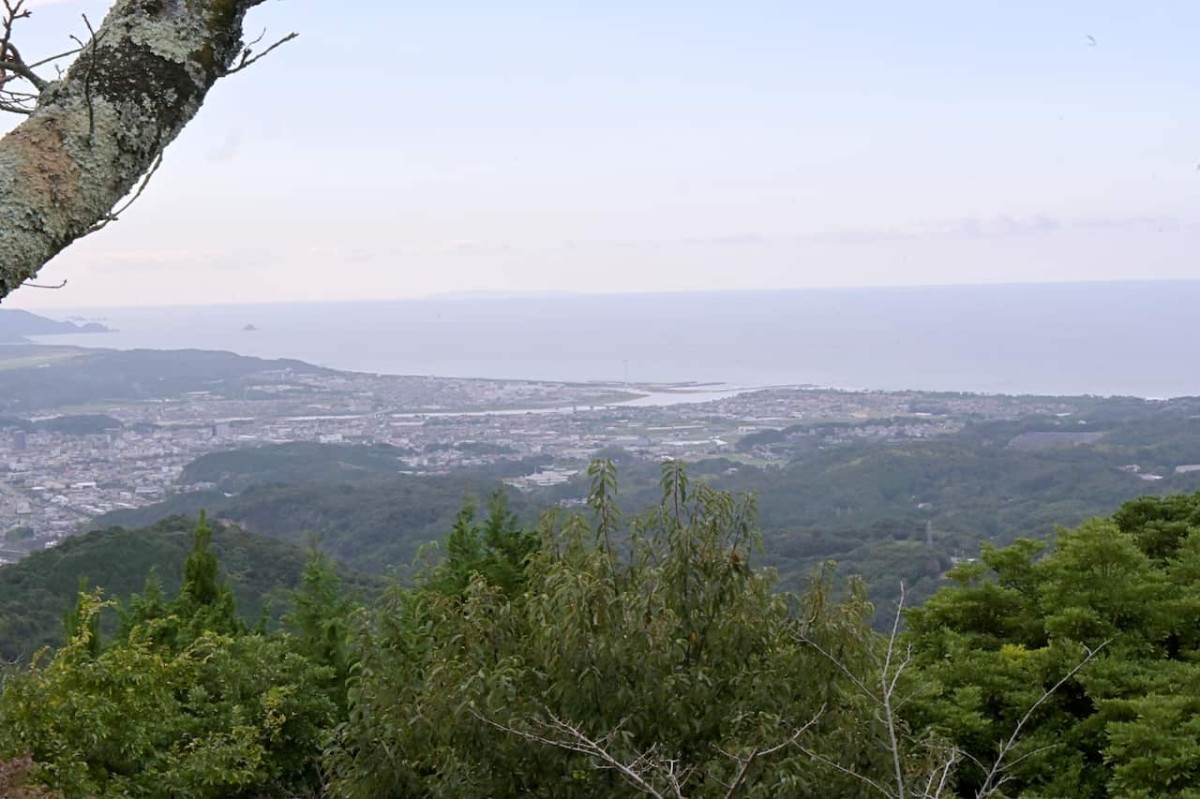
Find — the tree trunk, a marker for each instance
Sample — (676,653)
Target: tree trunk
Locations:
(99,129)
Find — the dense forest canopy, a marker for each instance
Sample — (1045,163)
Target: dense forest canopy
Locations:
(35,592)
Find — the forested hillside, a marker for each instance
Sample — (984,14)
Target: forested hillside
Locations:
(298,462)
(887,511)
(372,524)
(43,377)
(309,462)
(36,592)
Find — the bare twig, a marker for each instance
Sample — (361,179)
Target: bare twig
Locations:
(937,779)
(650,772)
(863,778)
(748,760)
(885,698)
(246,60)
(51,58)
(15,107)
(887,688)
(575,741)
(941,774)
(92,43)
(41,286)
(115,214)
(888,677)
(12,65)
(13,11)
(996,774)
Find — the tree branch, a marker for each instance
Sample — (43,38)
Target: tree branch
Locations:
(756,753)
(572,739)
(116,213)
(996,776)
(938,776)
(246,60)
(96,132)
(888,678)
(12,67)
(647,768)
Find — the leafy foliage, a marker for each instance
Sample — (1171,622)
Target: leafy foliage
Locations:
(371,525)
(36,592)
(16,781)
(614,654)
(185,697)
(496,551)
(639,657)
(320,622)
(891,512)
(901,512)
(1013,624)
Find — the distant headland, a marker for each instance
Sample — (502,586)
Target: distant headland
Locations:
(16,326)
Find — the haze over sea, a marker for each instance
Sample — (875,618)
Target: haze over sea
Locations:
(1139,339)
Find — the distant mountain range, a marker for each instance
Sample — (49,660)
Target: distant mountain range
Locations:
(16,326)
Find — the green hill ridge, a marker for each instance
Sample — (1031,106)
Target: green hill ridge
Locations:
(37,591)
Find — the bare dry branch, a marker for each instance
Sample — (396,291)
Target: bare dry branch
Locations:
(115,214)
(12,65)
(246,60)
(996,774)
(651,772)
(863,778)
(13,11)
(52,58)
(890,671)
(576,741)
(936,779)
(755,754)
(55,287)
(14,107)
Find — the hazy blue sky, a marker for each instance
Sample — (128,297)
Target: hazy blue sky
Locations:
(403,149)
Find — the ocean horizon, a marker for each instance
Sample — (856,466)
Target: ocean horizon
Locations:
(1128,338)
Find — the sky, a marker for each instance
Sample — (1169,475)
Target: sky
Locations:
(406,149)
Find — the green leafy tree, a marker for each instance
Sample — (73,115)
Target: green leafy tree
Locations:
(220,717)
(205,600)
(497,550)
(79,623)
(183,702)
(1081,667)
(320,622)
(642,657)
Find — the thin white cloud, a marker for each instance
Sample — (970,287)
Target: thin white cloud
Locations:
(996,227)
(1003,227)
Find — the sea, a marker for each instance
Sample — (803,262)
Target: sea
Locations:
(1126,338)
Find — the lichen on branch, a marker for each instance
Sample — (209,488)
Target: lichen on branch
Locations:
(94,133)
